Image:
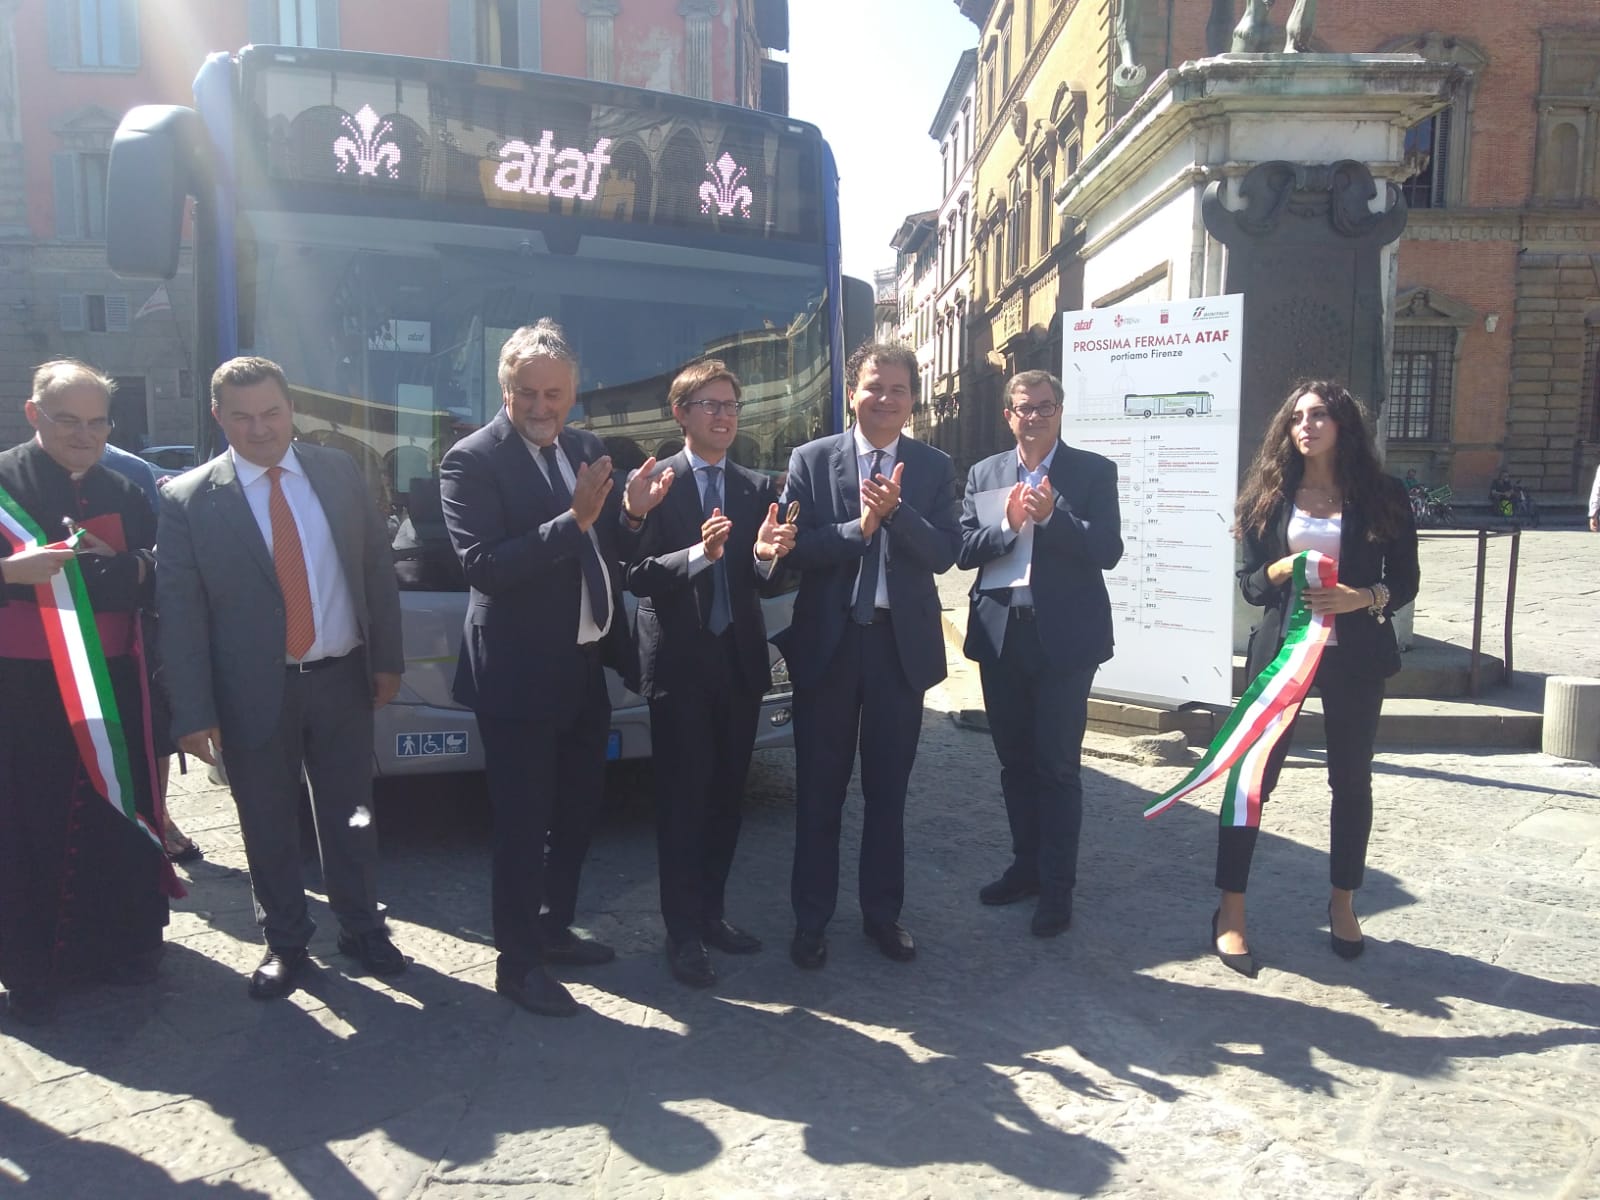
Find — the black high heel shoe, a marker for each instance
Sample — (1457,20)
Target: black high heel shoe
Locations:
(1244,963)
(1344,947)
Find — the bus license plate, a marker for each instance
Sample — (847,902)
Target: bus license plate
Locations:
(614,745)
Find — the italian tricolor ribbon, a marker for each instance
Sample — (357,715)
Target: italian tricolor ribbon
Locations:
(80,666)
(1267,708)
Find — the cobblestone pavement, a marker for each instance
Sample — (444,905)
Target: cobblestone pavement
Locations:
(1459,1057)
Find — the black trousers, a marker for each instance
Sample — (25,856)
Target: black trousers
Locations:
(546,784)
(325,726)
(863,699)
(702,735)
(1037,714)
(1351,705)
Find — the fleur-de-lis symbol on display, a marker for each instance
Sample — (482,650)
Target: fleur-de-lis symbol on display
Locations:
(366,151)
(724,188)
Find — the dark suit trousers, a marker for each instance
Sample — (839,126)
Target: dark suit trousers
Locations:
(862,697)
(326,726)
(546,782)
(1037,714)
(1351,705)
(702,736)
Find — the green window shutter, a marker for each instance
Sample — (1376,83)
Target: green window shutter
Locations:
(263,25)
(463,35)
(59,19)
(64,177)
(128,31)
(328,24)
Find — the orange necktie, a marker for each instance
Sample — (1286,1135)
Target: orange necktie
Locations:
(289,561)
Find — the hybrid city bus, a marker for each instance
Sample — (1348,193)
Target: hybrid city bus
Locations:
(379,225)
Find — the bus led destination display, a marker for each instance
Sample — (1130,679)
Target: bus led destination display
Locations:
(522,143)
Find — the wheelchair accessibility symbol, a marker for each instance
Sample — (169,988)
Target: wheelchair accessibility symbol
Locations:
(448,742)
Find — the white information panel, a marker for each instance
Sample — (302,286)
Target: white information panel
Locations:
(1155,388)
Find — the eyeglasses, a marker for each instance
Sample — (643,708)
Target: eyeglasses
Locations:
(714,408)
(97,426)
(1026,412)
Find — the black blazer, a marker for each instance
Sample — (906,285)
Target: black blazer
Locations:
(1070,557)
(519,547)
(673,605)
(1363,561)
(924,538)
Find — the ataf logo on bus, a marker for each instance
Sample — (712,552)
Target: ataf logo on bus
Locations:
(528,169)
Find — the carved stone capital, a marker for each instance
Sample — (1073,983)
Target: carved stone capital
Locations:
(600,8)
(699,8)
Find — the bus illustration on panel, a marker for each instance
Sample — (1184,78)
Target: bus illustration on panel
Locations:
(1167,404)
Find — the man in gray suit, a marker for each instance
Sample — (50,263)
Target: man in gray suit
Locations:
(281,636)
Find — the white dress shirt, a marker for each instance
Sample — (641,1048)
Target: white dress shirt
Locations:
(864,453)
(332,607)
(588,631)
(1022,597)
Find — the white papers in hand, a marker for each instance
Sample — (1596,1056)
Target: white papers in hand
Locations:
(1014,567)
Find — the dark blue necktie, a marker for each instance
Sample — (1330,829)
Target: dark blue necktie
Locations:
(867,588)
(594,572)
(721,615)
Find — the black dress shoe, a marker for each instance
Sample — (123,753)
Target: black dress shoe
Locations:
(565,948)
(690,962)
(808,950)
(538,993)
(1244,963)
(892,939)
(1345,948)
(1053,917)
(730,939)
(275,976)
(373,950)
(1008,889)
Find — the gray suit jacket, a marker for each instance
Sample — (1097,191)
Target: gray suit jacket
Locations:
(222,626)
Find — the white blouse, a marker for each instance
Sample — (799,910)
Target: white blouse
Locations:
(1315,533)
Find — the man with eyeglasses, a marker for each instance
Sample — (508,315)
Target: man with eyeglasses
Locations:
(1038,642)
(702,563)
(877,522)
(83,886)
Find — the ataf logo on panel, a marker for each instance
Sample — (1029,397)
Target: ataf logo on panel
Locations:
(1086,323)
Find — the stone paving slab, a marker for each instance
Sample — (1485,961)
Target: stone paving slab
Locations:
(1459,1057)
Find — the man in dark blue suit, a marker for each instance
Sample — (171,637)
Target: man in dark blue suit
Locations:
(702,562)
(1038,645)
(877,522)
(541,533)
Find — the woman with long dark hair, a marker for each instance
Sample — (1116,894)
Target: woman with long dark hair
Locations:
(1317,484)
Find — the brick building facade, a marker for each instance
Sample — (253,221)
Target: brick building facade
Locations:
(1496,353)
(68,72)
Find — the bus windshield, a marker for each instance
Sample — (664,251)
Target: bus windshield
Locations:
(390,330)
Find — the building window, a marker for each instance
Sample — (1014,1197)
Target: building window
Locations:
(1027,26)
(1016,228)
(496,29)
(80,195)
(1047,208)
(1005,58)
(93,313)
(1427,153)
(1421,383)
(297,22)
(93,34)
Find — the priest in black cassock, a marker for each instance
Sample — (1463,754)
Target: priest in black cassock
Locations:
(83,889)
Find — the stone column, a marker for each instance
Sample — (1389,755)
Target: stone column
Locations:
(600,17)
(697,66)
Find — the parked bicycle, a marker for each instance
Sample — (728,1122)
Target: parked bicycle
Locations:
(1516,504)
(1431,507)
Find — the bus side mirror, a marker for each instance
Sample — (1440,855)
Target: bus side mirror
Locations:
(151,174)
(858,301)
